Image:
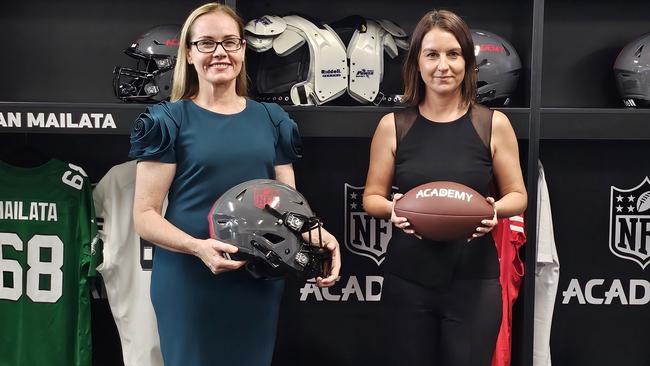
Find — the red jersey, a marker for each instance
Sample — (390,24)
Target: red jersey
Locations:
(508,237)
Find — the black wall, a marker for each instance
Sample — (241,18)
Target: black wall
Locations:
(581,41)
(580,175)
(65,52)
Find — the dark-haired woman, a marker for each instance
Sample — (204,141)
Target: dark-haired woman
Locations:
(444,298)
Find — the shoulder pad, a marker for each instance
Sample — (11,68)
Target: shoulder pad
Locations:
(402,43)
(328,68)
(303,93)
(392,28)
(266,26)
(365,52)
(258,44)
(287,42)
(389,45)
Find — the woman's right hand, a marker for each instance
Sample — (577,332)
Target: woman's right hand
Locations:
(400,222)
(210,251)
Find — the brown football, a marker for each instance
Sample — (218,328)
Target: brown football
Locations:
(444,210)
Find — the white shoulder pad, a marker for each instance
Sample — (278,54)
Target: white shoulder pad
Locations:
(303,93)
(392,28)
(389,45)
(265,26)
(402,43)
(366,53)
(287,42)
(258,44)
(328,62)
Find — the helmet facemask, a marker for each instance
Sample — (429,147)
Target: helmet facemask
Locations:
(151,79)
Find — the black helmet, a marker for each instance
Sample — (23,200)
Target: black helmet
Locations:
(632,72)
(498,68)
(265,219)
(151,80)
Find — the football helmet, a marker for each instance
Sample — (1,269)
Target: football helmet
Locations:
(498,66)
(632,72)
(266,220)
(151,80)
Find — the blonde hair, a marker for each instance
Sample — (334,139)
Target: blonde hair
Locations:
(414,88)
(185,81)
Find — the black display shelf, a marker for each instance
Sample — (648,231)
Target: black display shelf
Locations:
(595,124)
(117,119)
(361,121)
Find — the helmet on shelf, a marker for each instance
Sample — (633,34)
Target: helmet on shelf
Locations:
(632,72)
(498,66)
(151,80)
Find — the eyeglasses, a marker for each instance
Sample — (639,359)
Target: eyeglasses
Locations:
(209,45)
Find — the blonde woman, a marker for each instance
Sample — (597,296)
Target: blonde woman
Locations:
(209,138)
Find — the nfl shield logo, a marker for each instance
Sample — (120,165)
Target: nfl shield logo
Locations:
(629,224)
(364,234)
(266,196)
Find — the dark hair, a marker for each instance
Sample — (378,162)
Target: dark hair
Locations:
(452,23)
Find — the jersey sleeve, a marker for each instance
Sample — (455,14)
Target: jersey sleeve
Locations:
(103,218)
(288,143)
(91,252)
(154,134)
(518,239)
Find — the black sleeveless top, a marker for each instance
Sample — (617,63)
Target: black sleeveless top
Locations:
(434,151)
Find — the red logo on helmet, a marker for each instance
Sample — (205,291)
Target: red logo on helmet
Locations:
(495,48)
(171,42)
(266,196)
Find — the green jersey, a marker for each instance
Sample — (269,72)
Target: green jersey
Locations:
(47,239)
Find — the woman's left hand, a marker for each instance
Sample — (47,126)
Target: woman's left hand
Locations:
(330,243)
(488,225)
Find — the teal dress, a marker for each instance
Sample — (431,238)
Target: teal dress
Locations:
(205,319)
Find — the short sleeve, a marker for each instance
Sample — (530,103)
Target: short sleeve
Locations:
(154,134)
(288,144)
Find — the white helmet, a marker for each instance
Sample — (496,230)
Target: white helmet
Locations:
(632,72)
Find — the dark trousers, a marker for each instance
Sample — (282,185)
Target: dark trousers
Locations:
(457,326)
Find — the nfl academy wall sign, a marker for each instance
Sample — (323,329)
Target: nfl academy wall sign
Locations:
(629,225)
(364,236)
(629,239)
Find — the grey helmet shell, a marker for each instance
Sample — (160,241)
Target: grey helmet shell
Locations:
(155,54)
(499,67)
(632,72)
(270,239)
